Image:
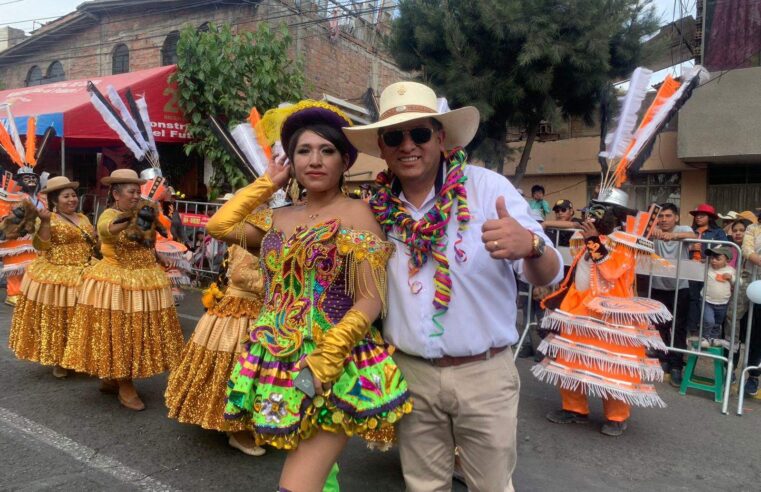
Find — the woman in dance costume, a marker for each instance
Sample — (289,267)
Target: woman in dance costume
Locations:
(315,371)
(197,386)
(45,307)
(125,326)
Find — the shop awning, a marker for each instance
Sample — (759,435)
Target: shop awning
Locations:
(66,106)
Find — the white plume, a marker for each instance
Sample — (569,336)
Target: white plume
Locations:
(443,105)
(646,133)
(117,102)
(244,136)
(618,140)
(114,124)
(142,106)
(13,132)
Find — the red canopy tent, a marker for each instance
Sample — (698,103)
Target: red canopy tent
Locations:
(66,106)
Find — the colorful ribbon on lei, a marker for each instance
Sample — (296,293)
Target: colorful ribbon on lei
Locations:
(428,235)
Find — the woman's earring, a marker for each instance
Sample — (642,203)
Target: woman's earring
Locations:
(55,208)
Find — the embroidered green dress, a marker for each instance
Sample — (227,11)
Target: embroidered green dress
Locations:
(309,286)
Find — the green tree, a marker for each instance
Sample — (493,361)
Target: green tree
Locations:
(225,74)
(520,61)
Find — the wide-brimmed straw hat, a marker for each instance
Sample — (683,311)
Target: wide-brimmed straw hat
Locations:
(408,101)
(122,176)
(705,208)
(59,183)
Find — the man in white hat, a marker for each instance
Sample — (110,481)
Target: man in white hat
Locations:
(462,233)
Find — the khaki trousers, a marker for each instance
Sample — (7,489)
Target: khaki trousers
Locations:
(473,406)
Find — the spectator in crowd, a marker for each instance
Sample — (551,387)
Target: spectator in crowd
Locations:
(538,202)
(752,253)
(717,293)
(705,227)
(732,217)
(564,219)
(676,297)
(736,232)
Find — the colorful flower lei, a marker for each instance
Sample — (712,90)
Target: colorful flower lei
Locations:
(428,235)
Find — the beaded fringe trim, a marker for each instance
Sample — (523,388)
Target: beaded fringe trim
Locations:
(14,270)
(590,327)
(605,360)
(591,384)
(22,248)
(652,312)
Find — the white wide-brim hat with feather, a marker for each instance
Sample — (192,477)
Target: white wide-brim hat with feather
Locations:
(407,101)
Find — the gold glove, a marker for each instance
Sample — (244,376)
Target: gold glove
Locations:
(327,360)
(232,213)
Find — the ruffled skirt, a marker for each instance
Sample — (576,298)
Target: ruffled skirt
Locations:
(368,398)
(125,325)
(197,386)
(44,311)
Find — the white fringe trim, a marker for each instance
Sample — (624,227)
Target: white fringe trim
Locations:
(613,308)
(174,260)
(14,270)
(610,332)
(591,384)
(605,360)
(178,279)
(24,248)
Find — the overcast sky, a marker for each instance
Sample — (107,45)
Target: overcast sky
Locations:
(16,11)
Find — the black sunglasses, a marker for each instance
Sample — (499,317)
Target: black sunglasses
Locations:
(395,138)
(561,209)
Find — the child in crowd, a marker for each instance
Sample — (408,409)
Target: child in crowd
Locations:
(538,202)
(717,293)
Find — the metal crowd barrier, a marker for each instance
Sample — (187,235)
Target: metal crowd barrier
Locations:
(748,332)
(685,269)
(206,262)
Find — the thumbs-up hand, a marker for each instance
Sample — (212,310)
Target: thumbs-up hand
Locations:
(505,238)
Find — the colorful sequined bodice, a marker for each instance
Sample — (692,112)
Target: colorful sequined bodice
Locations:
(309,281)
(68,245)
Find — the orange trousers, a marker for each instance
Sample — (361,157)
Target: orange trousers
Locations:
(576,401)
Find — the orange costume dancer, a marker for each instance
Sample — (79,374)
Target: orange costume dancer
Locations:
(16,250)
(601,330)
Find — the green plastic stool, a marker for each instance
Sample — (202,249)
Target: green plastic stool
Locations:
(715,385)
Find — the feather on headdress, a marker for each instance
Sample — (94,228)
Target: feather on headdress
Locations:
(132,124)
(670,97)
(10,140)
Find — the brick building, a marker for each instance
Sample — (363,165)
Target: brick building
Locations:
(340,44)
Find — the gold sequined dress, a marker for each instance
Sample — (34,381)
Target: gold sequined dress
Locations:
(45,307)
(196,390)
(125,325)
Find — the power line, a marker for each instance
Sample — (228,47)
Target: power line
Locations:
(42,44)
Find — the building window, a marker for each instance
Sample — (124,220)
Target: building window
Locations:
(734,187)
(169,50)
(34,76)
(55,73)
(646,189)
(120,59)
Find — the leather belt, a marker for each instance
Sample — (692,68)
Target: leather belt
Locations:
(450,361)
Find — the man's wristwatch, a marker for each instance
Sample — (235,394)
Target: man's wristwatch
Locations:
(538,246)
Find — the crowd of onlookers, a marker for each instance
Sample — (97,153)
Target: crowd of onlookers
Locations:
(726,274)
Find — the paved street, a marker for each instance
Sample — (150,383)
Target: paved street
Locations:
(66,435)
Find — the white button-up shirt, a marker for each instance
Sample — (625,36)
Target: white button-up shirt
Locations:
(482,309)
